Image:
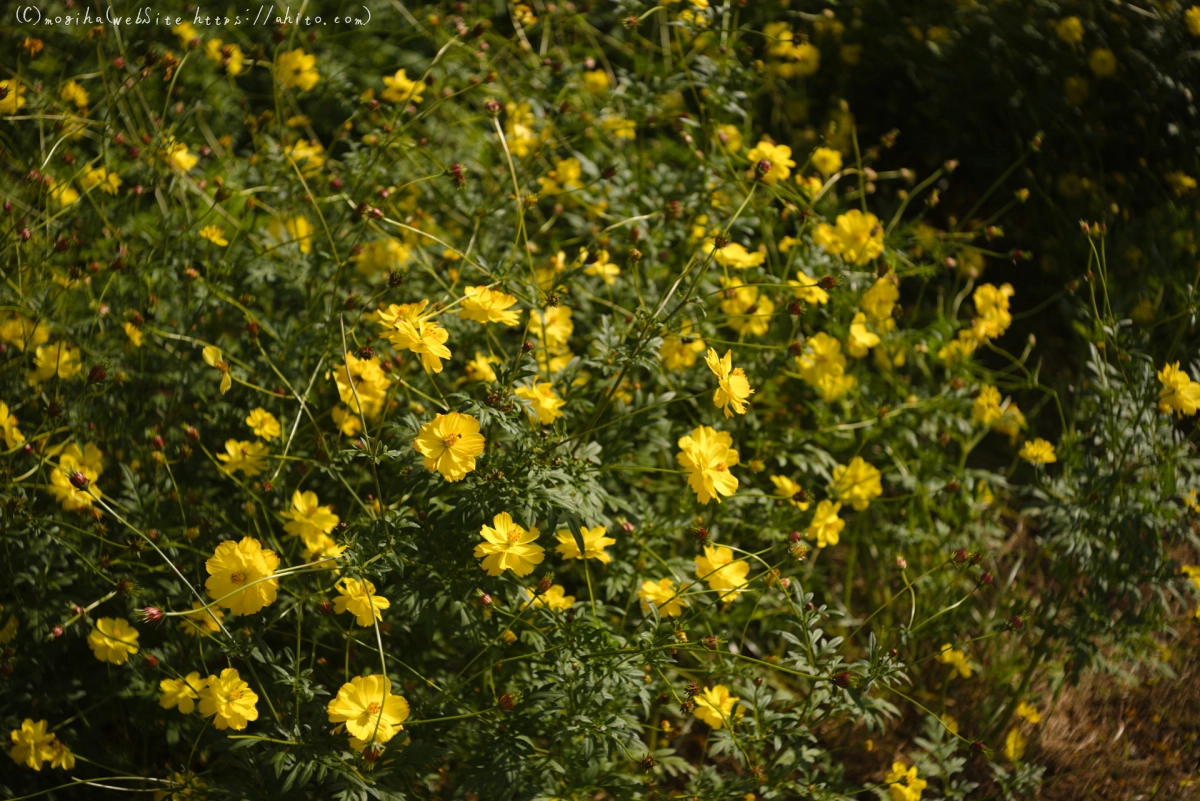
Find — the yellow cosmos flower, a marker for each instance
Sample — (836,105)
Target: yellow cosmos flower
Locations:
(1029,712)
(425,338)
(60,359)
(480,368)
(779,156)
(230,56)
(555,598)
(986,408)
(746,311)
(362,385)
(176,154)
(679,352)
(735,255)
(718,568)
(826,527)
(450,442)
(369,711)
(74,93)
(826,160)
(619,127)
(12,96)
(8,427)
(553,326)
(808,289)
(229,701)
(1191,18)
(563,178)
(401,89)
(359,599)
(22,333)
(507,547)
(1179,392)
(181,693)
(1014,745)
(594,543)
(213,358)
(31,744)
(857,483)
(1102,62)
(603,268)
(109,182)
(715,706)
(733,389)
(791,491)
(860,340)
(380,256)
(203,622)
(730,137)
(89,462)
(288,230)
(133,334)
(263,424)
(214,234)
(249,457)
(297,69)
(308,520)
(1038,451)
(993,316)
(61,756)
(957,659)
(664,595)
(1069,30)
(309,157)
(596,82)
(546,404)
(485,305)
(707,455)
(903,784)
(857,237)
(240,576)
(113,640)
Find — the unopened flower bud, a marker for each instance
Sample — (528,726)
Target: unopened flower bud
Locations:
(986,579)
(150,660)
(828,282)
(56,632)
(709,642)
(152,614)
(78,480)
(762,167)
(507,702)
(485,599)
(960,556)
(627,527)
(544,585)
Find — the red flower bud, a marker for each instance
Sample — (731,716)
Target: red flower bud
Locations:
(78,480)
(507,702)
(485,599)
(152,614)
(150,661)
(960,556)
(56,632)
(627,527)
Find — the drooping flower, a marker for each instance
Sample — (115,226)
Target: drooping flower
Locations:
(22,333)
(791,491)
(484,305)
(546,405)
(297,69)
(402,89)
(450,442)
(263,424)
(778,156)
(113,640)
(1179,392)
(249,457)
(857,237)
(229,701)
(856,483)
(507,546)
(181,693)
(1038,451)
(665,597)
(826,527)
(31,744)
(360,599)
(733,389)
(594,543)
(722,572)
(202,622)
(678,352)
(371,714)
(213,358)
(480,368)
(309,157)
(61,756)
(957,659)
(715,706)
(707,455)
(240,576)
(176,154)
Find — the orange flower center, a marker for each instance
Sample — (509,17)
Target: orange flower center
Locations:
(720,467)
(451,439)
(374,707)
(235,695)
(237,577)
(513,535)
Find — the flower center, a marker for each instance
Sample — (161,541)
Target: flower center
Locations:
(513,535)
(235,695)
(720,467)
(237,577)
(374,707)
(451,439)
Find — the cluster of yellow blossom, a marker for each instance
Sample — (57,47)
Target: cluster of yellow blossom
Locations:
(33,744)
(903,784)
(733,389)
(666,597)
(1179,393)
(706,455)
(716,707)
(792,59)
(857,237)
(722,572)
(313,524)
(362,386)
(450,442)
(956,658)
(242,576)
(823,367)
(992,319)
(369,712)
(113,640)
(72,463)
(358,597)
(746,311)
